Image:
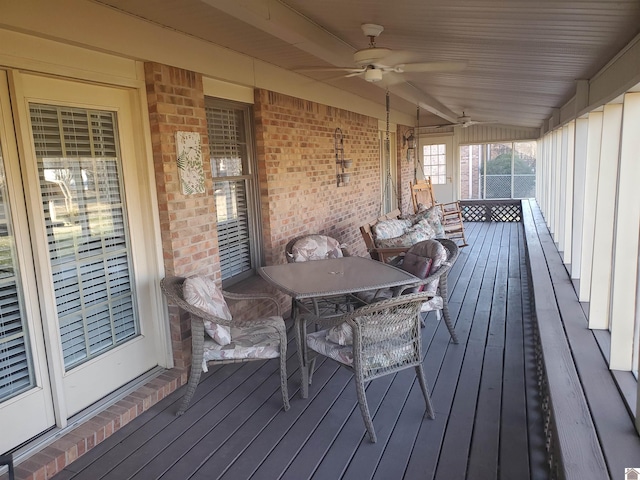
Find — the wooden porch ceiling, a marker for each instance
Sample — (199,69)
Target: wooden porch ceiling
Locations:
(488,420)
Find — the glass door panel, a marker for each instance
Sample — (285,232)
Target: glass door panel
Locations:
(26,407)
(87,237)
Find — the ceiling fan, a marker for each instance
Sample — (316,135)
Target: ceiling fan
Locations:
(463,121)
(373,63)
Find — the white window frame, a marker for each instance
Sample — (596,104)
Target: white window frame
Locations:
(440,162)
(250,182)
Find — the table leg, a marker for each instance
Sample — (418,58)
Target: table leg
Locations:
(299,322)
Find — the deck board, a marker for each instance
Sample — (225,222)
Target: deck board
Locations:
(481,388)
(457,441)
(513,459)
(463,301)
(483,459)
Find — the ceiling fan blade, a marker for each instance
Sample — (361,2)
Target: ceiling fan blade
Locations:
(331,69)
(391,78)
(396,57)
(473,122)
(432,67)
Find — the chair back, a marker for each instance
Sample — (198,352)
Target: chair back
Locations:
(422,194)
(172,287)
(313,247)
(442,261)
(429,249)
(387,336)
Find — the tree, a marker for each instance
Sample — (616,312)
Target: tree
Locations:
(501,165)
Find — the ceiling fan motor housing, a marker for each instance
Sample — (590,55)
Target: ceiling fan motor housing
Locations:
(370,56)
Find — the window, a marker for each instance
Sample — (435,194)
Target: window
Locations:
(84,210)
(230,143)
(498,170)
(434,161)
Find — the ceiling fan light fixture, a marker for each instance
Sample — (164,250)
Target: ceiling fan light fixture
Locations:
(373,75)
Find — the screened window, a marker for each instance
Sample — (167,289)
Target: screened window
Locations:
(86,226)
(434,161)
(230,145)
(16,373)
(498,170)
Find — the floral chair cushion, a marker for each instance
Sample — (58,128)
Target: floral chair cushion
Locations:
(257,338)
(433,216)
(385,229)
(342,334)
(315,247)
(318,342)
(434,303)
(203,293)
(412,235)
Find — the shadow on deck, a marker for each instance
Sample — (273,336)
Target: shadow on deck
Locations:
(488,418)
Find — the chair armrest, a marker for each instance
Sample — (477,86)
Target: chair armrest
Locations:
(381,254)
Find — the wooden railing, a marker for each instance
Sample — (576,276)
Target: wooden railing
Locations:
(508,210)
(590,433)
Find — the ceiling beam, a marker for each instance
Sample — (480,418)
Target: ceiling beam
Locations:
(277,19)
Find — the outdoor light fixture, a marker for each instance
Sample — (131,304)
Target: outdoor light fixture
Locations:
(409,141)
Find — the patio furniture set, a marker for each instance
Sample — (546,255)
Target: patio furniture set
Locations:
(364,313)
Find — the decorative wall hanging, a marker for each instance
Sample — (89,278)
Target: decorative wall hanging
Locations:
(189,150)
(342,164)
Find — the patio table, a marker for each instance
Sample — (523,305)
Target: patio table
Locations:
(329,278)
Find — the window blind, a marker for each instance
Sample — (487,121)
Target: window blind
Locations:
(87,237)
(229,157)
(16,372)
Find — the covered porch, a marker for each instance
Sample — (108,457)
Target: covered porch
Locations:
(540,386)
(489,419)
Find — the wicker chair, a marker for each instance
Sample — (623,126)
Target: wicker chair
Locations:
(373,341)
(256,339)
(435,283)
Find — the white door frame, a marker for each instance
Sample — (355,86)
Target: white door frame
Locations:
(442,193)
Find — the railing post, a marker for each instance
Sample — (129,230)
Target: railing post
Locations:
(8,460)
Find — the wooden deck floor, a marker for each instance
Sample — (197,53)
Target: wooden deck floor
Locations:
(488,421)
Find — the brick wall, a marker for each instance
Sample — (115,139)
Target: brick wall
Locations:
(470,160)
(297,179)
(187,222)
(297,169)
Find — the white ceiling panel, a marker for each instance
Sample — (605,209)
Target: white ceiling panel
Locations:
(523,57)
